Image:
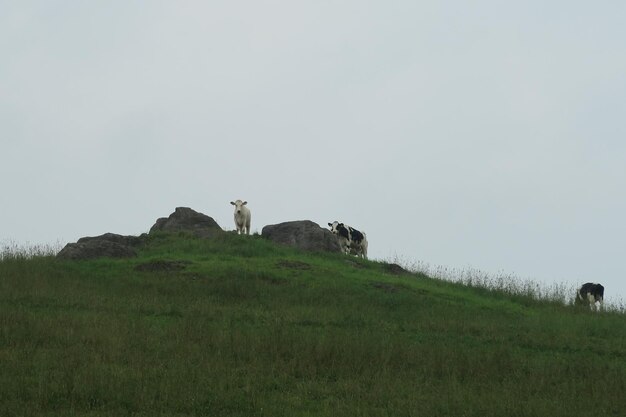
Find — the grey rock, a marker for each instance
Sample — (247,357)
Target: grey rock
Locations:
(108,245)
(132,241)
(117,246)
(302,234)
(185,219)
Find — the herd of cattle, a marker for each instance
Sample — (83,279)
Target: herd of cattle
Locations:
(354,242)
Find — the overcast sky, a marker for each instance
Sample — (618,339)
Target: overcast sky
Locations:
(488,134)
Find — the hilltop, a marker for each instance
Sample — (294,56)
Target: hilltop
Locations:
(240,326)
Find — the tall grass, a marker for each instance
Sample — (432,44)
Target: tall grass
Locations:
(503,282)
(12,250)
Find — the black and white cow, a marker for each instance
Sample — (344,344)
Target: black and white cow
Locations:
(350,240)
(590,294)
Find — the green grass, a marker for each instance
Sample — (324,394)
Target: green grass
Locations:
(248,328)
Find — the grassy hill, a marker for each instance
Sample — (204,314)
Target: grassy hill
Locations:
(237,326)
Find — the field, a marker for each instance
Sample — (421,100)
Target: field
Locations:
(237,326)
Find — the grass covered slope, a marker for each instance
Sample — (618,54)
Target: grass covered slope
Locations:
(237,326)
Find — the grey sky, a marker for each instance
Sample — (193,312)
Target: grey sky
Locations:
(488,134)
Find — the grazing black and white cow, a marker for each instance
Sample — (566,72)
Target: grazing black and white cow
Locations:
(350,240)
(590,294)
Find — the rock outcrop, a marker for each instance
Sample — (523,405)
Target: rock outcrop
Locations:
(112,245)
(108,245)
(185,219)
(303,234)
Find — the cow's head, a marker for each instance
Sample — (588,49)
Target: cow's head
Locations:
(238,205)
(334,227)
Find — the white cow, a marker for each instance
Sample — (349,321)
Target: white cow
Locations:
(242,217)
